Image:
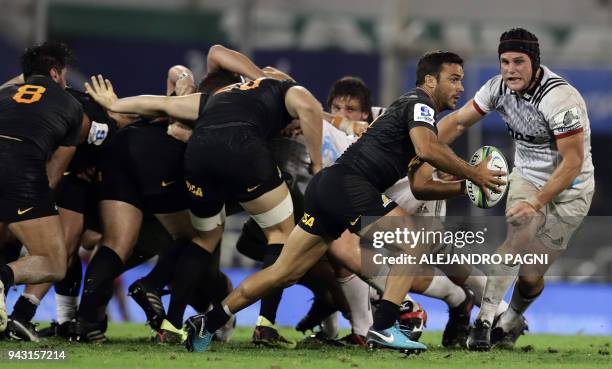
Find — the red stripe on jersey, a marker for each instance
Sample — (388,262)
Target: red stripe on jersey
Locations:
(570,133)
(478,109)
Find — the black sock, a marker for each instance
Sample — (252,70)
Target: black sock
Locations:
(216,318)
(210,292)
(270,302)
(7,276)
(162,272)
(71,284)
(102,270)
(24,309)
(193,265)
(386,314)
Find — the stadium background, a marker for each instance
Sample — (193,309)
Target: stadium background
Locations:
(134,42)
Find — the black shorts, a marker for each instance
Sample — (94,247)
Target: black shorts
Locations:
(24,186)
(78,195)
(143,166)
(337,198)
(228,163)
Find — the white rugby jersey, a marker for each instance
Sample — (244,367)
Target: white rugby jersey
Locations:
(553,109)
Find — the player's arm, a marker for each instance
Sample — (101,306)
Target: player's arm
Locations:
(425,187)
(180,82)
(220,57)
(440,156)
(58,163)
(122,120)
(302,105)
(274,73)
(571,150)
(184,108)
(454,124)
(14,81)
(85,128)
(350,127)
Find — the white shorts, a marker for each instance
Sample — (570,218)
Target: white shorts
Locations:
(562,218)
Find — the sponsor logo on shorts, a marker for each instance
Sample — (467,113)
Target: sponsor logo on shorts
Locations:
(195,190)
(21,212)
(166,184)
(385,200)
(251,189)
(355,221)
(308,220)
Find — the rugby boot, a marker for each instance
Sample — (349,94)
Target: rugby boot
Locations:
(458,326)
(479,338)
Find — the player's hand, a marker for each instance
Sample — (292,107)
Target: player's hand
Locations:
(179,131)
(488,179)
(101,90)
(359,128)
(292,130)
(521,213)
(184,86)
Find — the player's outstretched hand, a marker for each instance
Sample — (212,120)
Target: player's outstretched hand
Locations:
(101,90)
(489,179)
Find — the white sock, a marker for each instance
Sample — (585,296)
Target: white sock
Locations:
(476,282)
(495,289)
(374,294)
(66,307)
(444,289)
(329,325)
(357,294)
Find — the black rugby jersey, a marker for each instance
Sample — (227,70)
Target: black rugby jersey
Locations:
(259,103)
(102,128)
(42,112)
(383,153)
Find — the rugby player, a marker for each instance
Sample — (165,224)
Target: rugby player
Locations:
(77,207)
(340,195)
(551,185)
(40,126)
(346,98)
(232,126)
(140,174)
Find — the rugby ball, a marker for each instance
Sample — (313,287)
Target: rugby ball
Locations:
(498,162)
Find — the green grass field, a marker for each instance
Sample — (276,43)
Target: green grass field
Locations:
(128,348)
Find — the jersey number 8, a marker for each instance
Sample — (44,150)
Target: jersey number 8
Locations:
(28,94)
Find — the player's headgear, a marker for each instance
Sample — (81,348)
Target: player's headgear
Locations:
(522,41)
